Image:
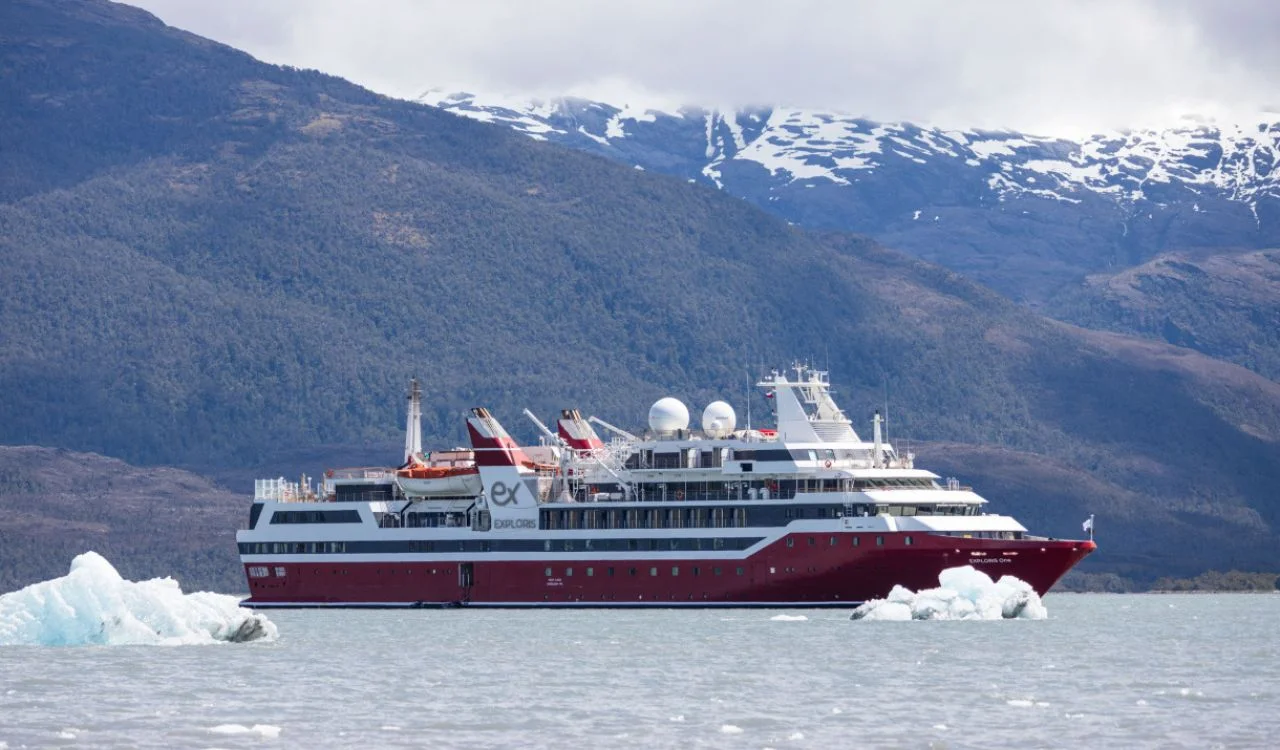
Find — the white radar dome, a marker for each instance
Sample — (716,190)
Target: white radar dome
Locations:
(718,419)
(668,415)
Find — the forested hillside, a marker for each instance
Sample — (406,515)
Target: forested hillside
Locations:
(218,263)
(1225,304)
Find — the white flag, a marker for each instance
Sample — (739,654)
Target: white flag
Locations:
(1088,524)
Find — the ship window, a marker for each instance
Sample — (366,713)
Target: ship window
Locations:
(631,571)
(907,541)
(739,571)
(653,571)
(791,541)
(591,572)
(610,572)
(568,571)
(857,540)
(833,541)
(812,541)
(675,571)
(548,573)
(879,541)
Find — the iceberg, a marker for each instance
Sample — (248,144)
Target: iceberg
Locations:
(94,605)
(963,593)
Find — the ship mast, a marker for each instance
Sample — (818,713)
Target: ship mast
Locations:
(413,425)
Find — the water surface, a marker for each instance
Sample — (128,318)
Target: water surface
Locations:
(1107,671)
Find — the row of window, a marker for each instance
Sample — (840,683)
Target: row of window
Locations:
(653,572)
(694,517)
(983,534)
(712,544)
(856,541)
(639,518)
(762,489)
(315,516)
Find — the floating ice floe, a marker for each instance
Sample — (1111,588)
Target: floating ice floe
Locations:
(788,618)
(93,605)
(964,593)
(267,731)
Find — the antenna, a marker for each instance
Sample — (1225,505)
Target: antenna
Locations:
(748,401)
(886,411)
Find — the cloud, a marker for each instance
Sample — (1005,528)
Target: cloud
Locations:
(1054,66)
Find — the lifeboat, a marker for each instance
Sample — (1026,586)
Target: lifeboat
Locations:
(446,479)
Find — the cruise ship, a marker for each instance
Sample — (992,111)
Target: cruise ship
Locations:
(805,514)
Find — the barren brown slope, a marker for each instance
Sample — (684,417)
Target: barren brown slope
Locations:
(149,522)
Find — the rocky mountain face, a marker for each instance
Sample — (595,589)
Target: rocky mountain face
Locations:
(218,263)
(1024,214)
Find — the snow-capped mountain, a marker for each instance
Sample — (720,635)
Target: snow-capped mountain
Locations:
(1021,212)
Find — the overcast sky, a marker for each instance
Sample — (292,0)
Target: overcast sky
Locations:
(1045,66)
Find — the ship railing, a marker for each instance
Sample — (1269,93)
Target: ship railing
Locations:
(361,472)
(278,490)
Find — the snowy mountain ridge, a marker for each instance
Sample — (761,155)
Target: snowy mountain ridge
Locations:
(1026,215)
(1242,162)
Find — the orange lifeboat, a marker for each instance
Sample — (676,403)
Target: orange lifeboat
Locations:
(451,476)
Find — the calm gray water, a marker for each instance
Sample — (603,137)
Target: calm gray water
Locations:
(1105,671)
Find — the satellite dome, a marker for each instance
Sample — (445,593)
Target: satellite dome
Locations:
(668,415)
(718,419)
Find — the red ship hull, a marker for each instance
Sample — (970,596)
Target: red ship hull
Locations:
(813,570)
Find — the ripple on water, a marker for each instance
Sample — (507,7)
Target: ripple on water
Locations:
(644,679)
